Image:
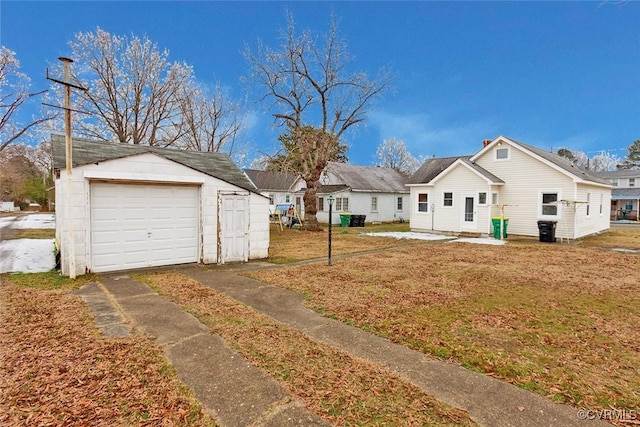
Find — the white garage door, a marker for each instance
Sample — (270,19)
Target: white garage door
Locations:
(135,226)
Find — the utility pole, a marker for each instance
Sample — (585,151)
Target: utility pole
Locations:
(71,255)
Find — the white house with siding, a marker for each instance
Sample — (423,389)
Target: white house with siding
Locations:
(377,193)
(134,206)
(508,179)
(280,187)
(625,195)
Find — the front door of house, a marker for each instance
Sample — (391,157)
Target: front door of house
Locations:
(468,213)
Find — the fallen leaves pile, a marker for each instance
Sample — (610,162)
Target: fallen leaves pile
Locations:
(55,369)
(340,388)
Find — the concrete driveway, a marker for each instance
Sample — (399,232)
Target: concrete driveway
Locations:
(26,255)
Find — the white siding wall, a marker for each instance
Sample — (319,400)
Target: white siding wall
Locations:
(258,226)
(323,216)
(360,204)
(151,168)
(460,181)
(420,221)
(597,219)
(525,178)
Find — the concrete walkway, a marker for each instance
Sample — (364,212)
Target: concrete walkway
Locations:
(237,393)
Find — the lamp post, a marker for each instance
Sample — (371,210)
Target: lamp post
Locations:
(330,199)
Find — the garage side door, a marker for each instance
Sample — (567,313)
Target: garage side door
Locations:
(136,226)
(234,232)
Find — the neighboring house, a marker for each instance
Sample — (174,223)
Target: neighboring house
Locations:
(8,207)
(281,188)
(378,193)
(625,195)
(136,206)
(508,178)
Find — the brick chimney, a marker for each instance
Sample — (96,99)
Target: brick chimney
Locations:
(486,142)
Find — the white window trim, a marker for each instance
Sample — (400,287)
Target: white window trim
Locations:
(402,203)
(486,198)
(427,203)
(495,200)
(589,207)
(601,203)
(376,204)
(453,203)
(558,204)
(495,157)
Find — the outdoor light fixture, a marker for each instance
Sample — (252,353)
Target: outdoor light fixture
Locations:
(330,200)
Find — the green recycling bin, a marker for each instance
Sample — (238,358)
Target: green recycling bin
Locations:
(496,227)
(345,219)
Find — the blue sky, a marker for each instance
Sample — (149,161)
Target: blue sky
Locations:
(550,74)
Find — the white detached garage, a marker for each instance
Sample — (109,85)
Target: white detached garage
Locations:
(137,206)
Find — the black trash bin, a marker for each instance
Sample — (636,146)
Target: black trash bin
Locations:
(353,222)
(361,220)
(547,231)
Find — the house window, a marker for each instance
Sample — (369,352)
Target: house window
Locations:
(632,182)
(374,204)
(494,198)
(614,182)
(550,204)
(601,201)
(447,199)
(320,204)
(423,202)
(502,153)
(287,198)
(399,205)
(588,204)
(482,198)
(271,199)
(342,204)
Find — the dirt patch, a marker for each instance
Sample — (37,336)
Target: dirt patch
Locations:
(26,233)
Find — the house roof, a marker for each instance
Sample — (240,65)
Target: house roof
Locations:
(559,161)
(368,178)
(328,189)
(625,193)
(87,151)
(620,173)
(271,181)
(482,171)
(432,168)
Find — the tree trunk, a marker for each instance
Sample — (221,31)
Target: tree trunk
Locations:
(311,206)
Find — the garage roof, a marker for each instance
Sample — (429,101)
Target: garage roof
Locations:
(87,151)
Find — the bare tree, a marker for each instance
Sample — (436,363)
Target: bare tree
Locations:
(392,153)
(14,92)
(603,161)
(209,120)
(25,173)
(312,94)
(133,88)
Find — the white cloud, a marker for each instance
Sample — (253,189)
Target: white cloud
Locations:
(423,137)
